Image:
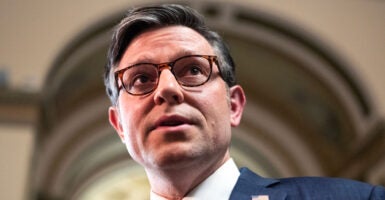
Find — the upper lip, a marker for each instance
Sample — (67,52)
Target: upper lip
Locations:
(171,120)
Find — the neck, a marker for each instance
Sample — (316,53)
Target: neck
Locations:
(177,182)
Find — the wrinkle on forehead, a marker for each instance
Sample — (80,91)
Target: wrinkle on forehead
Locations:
(151,46)
(148,58)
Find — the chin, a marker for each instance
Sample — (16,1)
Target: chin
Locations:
(176,157)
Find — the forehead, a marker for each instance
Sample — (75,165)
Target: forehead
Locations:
(164,44)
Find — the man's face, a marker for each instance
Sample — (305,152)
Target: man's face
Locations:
(175,125)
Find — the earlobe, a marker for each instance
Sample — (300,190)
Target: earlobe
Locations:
(114,118)
(237,103)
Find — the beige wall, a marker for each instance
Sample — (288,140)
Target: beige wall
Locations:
(34,32)
(16,143)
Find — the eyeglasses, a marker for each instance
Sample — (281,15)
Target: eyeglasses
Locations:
(143,78)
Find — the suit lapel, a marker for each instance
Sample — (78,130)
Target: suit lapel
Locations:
(249,184)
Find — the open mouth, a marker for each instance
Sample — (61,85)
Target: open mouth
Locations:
(171,121)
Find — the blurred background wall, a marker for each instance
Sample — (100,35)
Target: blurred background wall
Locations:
(313,74)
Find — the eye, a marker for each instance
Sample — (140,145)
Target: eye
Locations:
(140,79)
(190,71)
(194,70)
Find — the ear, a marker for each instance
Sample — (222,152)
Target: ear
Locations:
(237,103)
(113,116)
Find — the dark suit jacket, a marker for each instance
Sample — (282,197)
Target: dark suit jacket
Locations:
(309,188)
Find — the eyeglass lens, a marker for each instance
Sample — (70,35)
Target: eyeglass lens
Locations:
(189,71)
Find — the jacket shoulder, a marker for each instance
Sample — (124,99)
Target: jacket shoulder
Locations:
(315,188)
(330,188)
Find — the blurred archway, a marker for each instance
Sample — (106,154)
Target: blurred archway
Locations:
(307,113)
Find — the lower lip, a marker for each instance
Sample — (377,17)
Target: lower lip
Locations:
(172,129)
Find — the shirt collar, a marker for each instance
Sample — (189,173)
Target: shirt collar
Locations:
(217,186)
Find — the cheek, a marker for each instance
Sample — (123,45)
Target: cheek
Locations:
(219,104)
(135,114)
(130,121)
(216,110)
(131,115)
(133,142)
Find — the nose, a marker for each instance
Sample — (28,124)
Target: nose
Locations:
(168,90)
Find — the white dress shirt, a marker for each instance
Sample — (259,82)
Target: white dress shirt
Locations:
(217,186)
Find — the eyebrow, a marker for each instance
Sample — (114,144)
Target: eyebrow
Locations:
(146,58)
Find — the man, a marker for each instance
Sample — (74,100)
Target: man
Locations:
(172,85)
